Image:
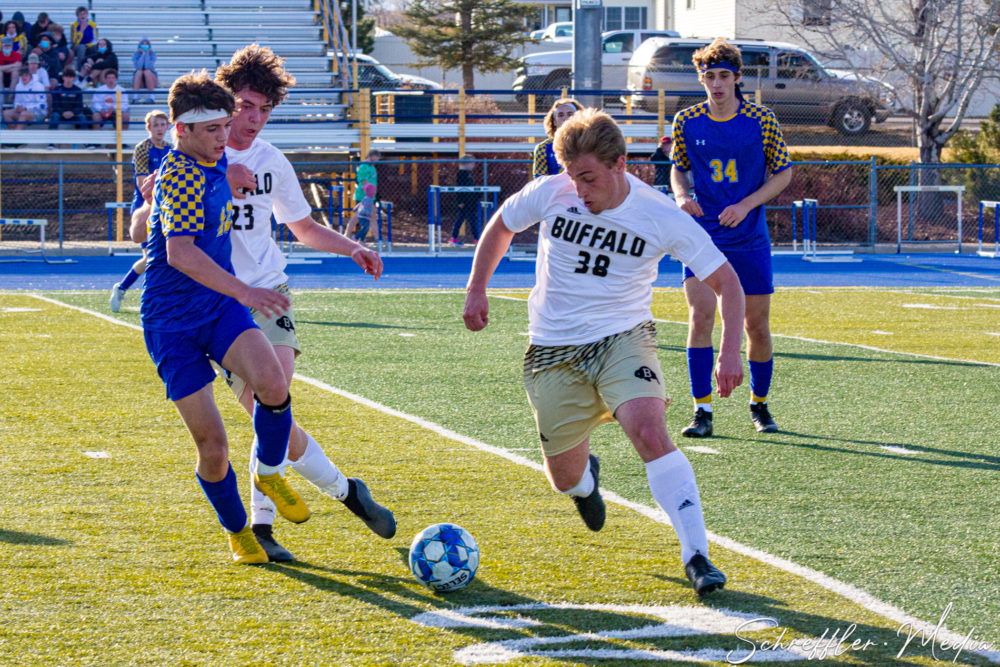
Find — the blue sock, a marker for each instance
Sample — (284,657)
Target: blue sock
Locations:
(701,360)
(760,379)
(225,498)
(272,424)
(130,278)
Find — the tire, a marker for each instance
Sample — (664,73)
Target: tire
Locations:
(852,118)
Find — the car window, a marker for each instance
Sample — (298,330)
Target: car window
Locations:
(756,63)
(674,58)
(564,32)
(794,65)
(621,43)
(649,35)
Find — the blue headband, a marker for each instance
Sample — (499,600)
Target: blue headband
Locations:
(704,67)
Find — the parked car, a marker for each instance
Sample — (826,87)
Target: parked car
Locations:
(537,34)
(554,69)
(792,82)
(373,74)
(558,32)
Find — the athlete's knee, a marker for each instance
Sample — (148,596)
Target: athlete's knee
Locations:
(213,458)
(651,440)
(702,320)
(758,329)
(272,389)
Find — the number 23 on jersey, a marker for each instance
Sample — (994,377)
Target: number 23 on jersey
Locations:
(718,174)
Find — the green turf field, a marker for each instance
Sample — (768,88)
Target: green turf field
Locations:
(884,477)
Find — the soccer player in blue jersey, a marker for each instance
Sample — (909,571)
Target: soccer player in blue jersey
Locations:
(194,311)
(735,155)
(145,160)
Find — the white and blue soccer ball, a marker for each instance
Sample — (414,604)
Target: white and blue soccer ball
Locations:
(444,557)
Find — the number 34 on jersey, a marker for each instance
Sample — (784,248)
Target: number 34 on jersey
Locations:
(719,174)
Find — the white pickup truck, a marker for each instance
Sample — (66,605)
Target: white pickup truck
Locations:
(554,69)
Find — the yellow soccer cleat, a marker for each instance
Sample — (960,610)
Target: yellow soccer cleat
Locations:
(246,549)
(290,505)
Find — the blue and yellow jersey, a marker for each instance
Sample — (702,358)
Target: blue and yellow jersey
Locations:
(730,159)
(545,163)
(190,199)
(145,160)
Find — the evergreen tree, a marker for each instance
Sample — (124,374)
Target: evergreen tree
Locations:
(366,26)
(469,35)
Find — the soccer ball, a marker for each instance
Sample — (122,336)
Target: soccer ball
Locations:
(444,557)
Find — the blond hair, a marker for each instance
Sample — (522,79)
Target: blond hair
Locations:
(719,51)
(550,117)
(589,132)
(156,113)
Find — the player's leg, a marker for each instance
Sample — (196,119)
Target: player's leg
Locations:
(119,291)
(456,229)
(701,302)
(760,353)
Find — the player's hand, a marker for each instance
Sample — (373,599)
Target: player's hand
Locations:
(733,215)
(728,373)
(477,311)
(146,189)
(239,176)
(368,260)
(689,206)
(267,301)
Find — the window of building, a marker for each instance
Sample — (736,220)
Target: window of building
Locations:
(690,4)
(817,12)
(612,18)
(625,18)
(635,18)
(563,14)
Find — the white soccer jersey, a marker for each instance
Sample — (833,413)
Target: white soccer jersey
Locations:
(594,273)
(257,260)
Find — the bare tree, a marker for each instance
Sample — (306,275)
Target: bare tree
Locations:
(935,53)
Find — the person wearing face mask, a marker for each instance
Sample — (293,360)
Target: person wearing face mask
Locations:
(19,39)
(144,63)
(100,60)
(10,64)
(39,29)
(49,57)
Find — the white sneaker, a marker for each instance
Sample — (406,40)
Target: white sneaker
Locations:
(117,297)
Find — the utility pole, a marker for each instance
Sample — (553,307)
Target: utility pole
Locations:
(587,51)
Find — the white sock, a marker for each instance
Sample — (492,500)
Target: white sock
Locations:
(707,407)
(320,471)
(262,509)
(584,487)
(671,480)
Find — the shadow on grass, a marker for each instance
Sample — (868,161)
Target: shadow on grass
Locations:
(363,325)
(15,537)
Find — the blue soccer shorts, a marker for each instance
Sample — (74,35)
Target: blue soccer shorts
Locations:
(183,358)
(753,267)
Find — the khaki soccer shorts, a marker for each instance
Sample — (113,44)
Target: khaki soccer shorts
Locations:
(279,331)
(573,389)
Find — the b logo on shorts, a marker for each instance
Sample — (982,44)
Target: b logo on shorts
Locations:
(285,323)
(647,374)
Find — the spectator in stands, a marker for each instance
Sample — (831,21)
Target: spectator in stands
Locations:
(61,47)
(10,64)
(362,214)
(144,63)
(83,35)
(468,203)
(367,174)
(20,41)
(661,160)
(23,28)
(41,27)
(103,103)
(67,104)
(544,161)
(30,102)
(49,54)
(38,72)
(101,59)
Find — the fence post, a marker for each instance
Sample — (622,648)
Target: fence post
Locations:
(628,112)
(461,122)
(661,111)
(119,214)
(565,93)
(873,202)
(364,115)
(413,176)
(437,110)
(61,205)
(913,181)
(531,114)
(486,178)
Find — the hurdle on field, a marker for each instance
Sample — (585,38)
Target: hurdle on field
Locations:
(900,189)
(434,208)
(40,224)
(995,205)
(111,207)
(810,253)
(387,207)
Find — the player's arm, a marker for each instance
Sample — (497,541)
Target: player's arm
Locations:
(322,238)
(240,179)
(490,250)
(734,215)
(732,304)
(140,217)
(680,183)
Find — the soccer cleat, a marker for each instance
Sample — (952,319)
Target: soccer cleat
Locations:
(246,549)
(700,426)
(117,297)
(275,552)
(704,576)
(762,419)
(592,507)
(290,505)
(359,500)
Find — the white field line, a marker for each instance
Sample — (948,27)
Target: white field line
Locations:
(845,590)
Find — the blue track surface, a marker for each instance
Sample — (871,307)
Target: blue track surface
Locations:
(920,270)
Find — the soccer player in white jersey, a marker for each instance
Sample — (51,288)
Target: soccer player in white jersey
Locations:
(264,182)
(592,356)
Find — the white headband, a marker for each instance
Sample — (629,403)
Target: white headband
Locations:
(201,115)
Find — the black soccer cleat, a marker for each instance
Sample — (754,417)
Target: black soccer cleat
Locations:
(704,576)
(700,426)
(762,419)
(359,500)
(275,552)
(592,507)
